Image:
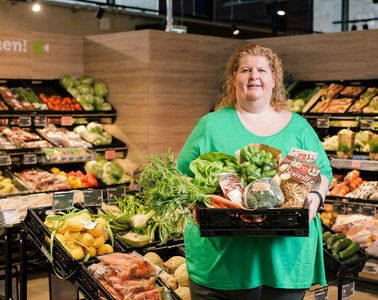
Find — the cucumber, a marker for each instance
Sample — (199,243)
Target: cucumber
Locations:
(354,257)
(334,238)
(326,235)
(349,251)
(340,245)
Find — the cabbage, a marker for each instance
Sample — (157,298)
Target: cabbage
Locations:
(100,89)
(108,138)
(94,127)
(67,81)
(114,169)
(80,129)
(105,106)
(84,89)
(76,84)
(74,92)
(86,80)
(89,99)
(361,140)
(94,168)
(98,101)
(108,179)
(101,159)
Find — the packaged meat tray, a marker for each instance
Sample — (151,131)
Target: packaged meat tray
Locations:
(352,91)
(63,137)
(24,138)
(13,99)
(332,91)
(338,105)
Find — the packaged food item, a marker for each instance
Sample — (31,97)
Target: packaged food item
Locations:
(338,105)
(297,177)
(352,91)
(263,193)
(346,138)
(373,147)
(332,91)
(304,154)
(232,188)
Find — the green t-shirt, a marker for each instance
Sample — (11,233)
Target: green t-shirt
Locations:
(232,263)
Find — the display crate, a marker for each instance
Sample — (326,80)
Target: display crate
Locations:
(63,263)
(90,287)
(258,222)
(335,268)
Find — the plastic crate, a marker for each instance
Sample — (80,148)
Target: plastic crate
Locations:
(90,287)
(63,263)
(259,222)
(334,268)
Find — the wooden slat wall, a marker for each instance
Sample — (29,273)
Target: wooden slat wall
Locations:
(334,56)
(65,55)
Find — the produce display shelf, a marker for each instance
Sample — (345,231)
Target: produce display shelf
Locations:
(63,263)
(90,287)
(334,268)
(365,165)
(258,222)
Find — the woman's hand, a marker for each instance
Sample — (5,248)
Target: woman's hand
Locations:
(313,204)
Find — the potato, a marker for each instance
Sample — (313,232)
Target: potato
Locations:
(62,230)
(170,280)
(181,275)
(74,224)
(174,262)
(85,217)
(101,221)
(60,238)
(71,235)
(86,239)
(91,250)
(71,245)
(154,259)
(98,242)
(183,293)
(105,249)
(97,231)
(77,253)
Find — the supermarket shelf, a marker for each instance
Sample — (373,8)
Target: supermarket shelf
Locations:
(365,165)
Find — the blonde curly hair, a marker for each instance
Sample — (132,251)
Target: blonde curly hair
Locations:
(228,96)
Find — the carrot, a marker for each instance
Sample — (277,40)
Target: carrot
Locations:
(219,205)
(221,200)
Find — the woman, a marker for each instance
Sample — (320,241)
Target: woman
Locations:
(252,110)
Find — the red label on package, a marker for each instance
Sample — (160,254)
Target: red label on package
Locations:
(110,154)
(66,121)
(298,169)
(304,154)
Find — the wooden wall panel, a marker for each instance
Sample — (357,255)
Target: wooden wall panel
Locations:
(184,81)
(121,61)
(334,56)
(15,62)
(64,56)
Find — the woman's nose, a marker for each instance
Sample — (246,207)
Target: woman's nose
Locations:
(254,74)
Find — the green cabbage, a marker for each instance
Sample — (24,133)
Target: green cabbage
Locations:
(100,89)
(86,80)
(114,169)
(93,167)
(108,179)
(67,81)
(94,127)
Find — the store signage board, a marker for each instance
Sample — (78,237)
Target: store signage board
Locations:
(29,159)
(339,207)
(354,209)
(347,290)
(370,267)
(110,154)
(24,121)
(369,210)
(62,201)
(11,217)
(322,122)
(5,160)
(93,198)
(116,192)
(40,121)
(66,121)
(323,295)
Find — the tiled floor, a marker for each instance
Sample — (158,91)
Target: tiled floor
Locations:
(38,289)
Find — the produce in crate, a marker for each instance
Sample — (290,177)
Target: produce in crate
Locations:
(29,96)
(345,146)
(63,137)
(6,185)
(350,182)
(94,134)
(39,180)
(24,138)
(352,91)
(109,172)
(12,99)
(372,108)
(76,179)
(59,103)
(263,193)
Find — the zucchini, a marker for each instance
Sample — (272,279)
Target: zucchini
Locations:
(349,251)
(354,257)
(334,238)
(326,235)
(340,245)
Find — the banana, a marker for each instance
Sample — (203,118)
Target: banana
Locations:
(6,180)
(8,189)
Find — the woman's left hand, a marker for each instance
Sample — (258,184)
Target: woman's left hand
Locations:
(313,204)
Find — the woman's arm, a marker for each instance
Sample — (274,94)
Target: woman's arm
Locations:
(314,199)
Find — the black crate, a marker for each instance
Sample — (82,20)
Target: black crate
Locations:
(334,268)
(63,263)
(259,222)
(90,287)
(47,87)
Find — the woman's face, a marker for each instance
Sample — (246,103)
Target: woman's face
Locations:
(254,80)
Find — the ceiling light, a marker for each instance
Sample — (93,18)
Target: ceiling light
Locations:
(281,12)
(235,30)
(36,7)
(354,27)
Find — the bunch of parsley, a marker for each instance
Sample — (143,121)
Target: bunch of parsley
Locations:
(167,191)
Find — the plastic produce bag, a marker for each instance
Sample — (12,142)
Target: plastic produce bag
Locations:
(263,193)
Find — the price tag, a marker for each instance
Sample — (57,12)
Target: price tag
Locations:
(30,159)
(91,155)
(322,122)
(80,157)
(5,160)
(110,154)
(24,121)
(40,121)
(347,290)
(339,207)
(366,123)
(11,216)
(369,210)
(323,295)
(66,121)
(93,197)
(354,209)
(71,157)
(116,192)
(53,158)
(370,267)
(62,201)
(356,164)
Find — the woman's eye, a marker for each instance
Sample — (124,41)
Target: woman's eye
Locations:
(262,70)
(245,70)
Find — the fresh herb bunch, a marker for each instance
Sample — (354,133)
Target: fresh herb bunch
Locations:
(168,192)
